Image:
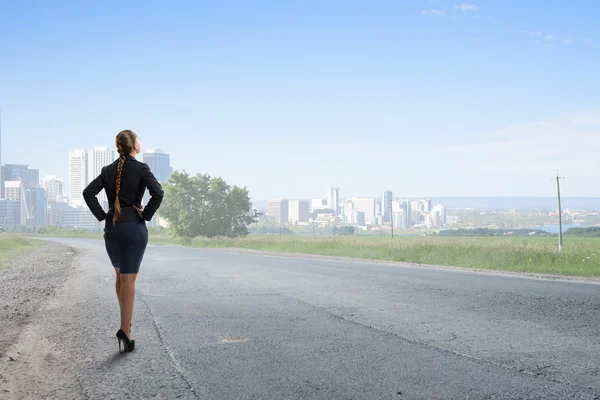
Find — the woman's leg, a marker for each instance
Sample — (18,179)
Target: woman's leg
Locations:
(126,299)
(118,286)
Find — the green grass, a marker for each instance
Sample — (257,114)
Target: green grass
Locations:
(581,256)
(533,255)
(14,245)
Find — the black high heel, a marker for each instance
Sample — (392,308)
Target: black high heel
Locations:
(125,344)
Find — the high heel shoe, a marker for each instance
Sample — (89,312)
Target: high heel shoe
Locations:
(125,344)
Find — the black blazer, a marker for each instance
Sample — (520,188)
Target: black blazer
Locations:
(135,178)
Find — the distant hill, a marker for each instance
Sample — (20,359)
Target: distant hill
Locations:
(519,203)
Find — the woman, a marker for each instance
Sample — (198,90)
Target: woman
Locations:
(125,233)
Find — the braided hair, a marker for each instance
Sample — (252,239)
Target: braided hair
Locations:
(125,142)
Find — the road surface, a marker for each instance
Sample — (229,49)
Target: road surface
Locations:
(213,324)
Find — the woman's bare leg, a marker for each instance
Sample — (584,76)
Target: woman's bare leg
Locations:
(118,286)
(126,298)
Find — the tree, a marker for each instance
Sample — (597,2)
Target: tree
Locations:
(204,206)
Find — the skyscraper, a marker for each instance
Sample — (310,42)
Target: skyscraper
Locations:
(15,191)
(298,211)
(386,206)
(159,163)
(426,205)
(19,172)
(278,209)
(368,207)
(78,176)
(333,199)
(99,157)
(54,187)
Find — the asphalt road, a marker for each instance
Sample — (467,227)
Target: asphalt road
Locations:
(212,324)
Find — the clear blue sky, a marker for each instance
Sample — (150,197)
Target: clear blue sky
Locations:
(426,98)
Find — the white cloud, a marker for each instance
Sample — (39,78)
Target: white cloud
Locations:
(434,12)
(549,37)
(521,159)
(589,40)
(549,46)
(567,41)
(467,7)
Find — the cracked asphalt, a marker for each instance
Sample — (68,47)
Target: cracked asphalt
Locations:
(213,324)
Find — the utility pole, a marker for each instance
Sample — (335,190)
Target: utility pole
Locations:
(560,230)
(392,215)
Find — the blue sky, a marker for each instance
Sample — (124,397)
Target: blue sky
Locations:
(426,98)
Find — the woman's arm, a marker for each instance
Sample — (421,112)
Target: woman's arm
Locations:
(156,193)
(90,193)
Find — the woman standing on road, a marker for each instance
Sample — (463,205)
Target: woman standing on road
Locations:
(125,232)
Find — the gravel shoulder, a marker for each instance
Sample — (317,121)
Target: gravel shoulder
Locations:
(26,283)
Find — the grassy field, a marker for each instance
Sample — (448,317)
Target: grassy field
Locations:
(13,245)
(533,255)
(581,256)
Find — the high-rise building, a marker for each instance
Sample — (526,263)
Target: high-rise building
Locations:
(357,217)
(368,206)
(78,176)
(31,202)
(333,199)
(299,211)
(19,172)
(399,219)
(441,210)
(318,204)
(386,206)
(426,205)
(159,163)
(405,206)
(54,187)
(35,200)
(98,158)
(9,213)
(15,191)
(416,206)
(278,209)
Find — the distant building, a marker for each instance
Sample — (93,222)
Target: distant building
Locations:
(278,210)
(15,191)
(54,187)
(399,219)
(159,163)
(31,201)
(78,176)
(9,213)
(357,218)
(318,204)
(426,205)
(35,200)
(19,172)
(333,199)
(299,211)
(386,206)
(367,206)
(98,158)
(72,217)
(443,218)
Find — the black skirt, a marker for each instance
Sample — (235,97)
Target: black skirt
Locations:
(125,244)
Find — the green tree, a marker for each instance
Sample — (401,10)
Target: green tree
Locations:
(204,206)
